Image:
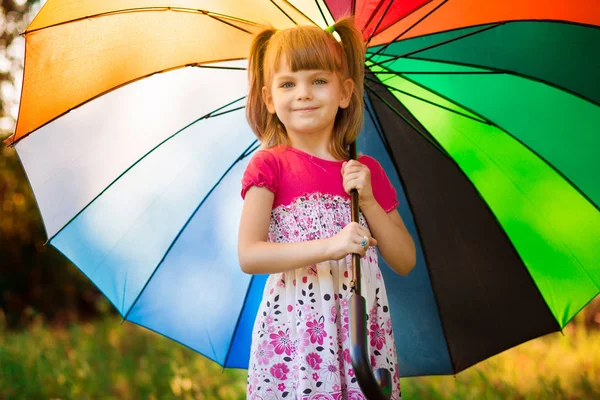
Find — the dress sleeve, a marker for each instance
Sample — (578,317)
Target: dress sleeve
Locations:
(262,170)
(383,190)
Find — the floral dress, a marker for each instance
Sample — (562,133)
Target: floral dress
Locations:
(300,340)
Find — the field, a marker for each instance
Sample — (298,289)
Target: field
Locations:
(108,360)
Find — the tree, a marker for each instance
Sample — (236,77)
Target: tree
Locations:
(34,277)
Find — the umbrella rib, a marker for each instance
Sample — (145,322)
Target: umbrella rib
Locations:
(440,72)
(284,13)
(145,9)
(429,102)
(218,67)
(206,116)
(433,143)
(418,231)
(378,23)
(329,11)
(321,11)
(377,7)
(237,323)
(492,123)
(528,200)
(405,16)
(487,27)
(14,142)
(408,29)
(300,12)
(515,73)
(168,337)
(241,157)
(230,24)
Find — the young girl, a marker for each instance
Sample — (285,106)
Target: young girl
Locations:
(305,106)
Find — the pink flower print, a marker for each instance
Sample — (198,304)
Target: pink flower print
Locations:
(321,396)
(336,388)
(281,283)
(377,336)
(269,320)
(331,370)
(304,340)
(373,361)
(316,331)
(378,276)
(270,329)
(281,387)
(264,352)
(350,372)
(290,308)
(314,360)
(388,324)
(333,312)
(279,371)
(347,357)
(295,372)
(306,308)
(315,376)
(282,343)
(344,303)
(355,395)
(307,316)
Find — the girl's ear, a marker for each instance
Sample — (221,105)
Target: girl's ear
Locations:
(268,99)
(346,92)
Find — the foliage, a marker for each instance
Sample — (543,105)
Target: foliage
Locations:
(34,278)
(107,360)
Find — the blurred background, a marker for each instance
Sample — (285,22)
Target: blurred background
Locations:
(60,339)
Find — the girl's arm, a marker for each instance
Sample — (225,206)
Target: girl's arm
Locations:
(394,242)
(257,256)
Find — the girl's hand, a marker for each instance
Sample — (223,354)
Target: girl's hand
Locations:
(348,241)
(358,176)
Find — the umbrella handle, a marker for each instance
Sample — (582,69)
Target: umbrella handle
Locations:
(378,386)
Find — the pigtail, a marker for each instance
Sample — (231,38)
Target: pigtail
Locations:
(350,120)
(264,124)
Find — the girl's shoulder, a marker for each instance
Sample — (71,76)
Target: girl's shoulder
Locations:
(370,162)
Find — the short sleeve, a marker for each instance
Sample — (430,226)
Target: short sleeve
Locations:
(262,171)
(383,190)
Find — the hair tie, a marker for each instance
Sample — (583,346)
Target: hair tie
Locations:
(330,29)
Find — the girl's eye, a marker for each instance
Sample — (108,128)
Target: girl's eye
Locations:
(287,85)
(320,81)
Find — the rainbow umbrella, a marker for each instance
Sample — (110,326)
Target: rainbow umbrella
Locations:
(484,114)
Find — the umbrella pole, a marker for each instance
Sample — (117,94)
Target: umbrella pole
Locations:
(375,386)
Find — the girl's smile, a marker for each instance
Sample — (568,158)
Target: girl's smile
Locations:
(306,101)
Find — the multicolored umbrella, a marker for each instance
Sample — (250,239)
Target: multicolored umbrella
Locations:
(484,114)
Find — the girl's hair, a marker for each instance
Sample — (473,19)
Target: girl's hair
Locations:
(307,48)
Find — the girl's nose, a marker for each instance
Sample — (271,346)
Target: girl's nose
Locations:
(303,92)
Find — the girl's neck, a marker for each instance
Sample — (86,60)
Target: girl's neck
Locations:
(318,147)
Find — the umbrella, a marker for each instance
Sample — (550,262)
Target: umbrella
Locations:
(484,115)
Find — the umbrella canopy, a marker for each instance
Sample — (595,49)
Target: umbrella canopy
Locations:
(484,116)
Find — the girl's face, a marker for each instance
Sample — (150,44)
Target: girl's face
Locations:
(307,101)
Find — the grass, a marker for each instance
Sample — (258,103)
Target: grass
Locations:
(107,360)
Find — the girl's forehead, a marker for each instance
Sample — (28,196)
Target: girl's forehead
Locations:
(283,68)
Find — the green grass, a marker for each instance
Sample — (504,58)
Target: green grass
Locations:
(107,360)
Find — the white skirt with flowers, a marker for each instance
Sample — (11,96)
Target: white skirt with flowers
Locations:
(300,341)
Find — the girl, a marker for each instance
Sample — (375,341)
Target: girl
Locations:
(305,106)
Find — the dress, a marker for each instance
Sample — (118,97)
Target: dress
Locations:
(300,338)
